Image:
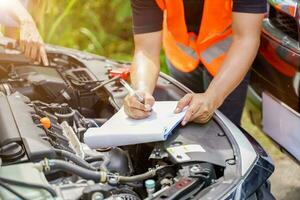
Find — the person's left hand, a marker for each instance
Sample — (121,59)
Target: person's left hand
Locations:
(201,107)
(31,43)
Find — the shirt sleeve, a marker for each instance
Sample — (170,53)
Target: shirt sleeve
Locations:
(146,16)
(250,6)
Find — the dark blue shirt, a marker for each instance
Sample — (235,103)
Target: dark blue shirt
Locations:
(148,17)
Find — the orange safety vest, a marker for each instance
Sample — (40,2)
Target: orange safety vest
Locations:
(184,49)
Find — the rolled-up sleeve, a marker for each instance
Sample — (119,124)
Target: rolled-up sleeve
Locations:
(250,6)
(146,16)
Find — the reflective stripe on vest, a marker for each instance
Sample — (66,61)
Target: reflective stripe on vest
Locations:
(188,50)
(215,51)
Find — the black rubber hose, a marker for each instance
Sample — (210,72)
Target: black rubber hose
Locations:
(139,177)
(29,185)
(75,159)
(102,157)
(12,191)
(75,169)
(96,176)
(95,158)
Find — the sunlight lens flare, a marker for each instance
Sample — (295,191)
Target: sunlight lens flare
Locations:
(4,4)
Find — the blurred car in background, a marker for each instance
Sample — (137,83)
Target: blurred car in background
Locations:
(275,81)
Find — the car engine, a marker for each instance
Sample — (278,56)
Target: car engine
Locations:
(45,112)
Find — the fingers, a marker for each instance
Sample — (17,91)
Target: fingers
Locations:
(185,101)
(43,55)
(189,113)
(31,43)
(136,109)
(149,102)
(30,49)
(22,42)
(134,103)
(202,116)
(200,108)
(22,45)
(34,51)
(202,120)
(137,114)
(27,48)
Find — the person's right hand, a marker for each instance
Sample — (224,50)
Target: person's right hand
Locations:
(137,110)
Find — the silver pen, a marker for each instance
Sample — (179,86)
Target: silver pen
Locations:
(131,91)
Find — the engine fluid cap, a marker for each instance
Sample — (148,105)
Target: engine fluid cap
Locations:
(45,121)
(150,184)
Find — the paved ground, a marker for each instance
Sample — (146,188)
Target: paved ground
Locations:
(286,179)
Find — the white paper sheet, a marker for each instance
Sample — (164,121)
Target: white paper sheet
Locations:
(121,130)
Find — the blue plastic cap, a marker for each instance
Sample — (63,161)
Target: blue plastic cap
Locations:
(150,184)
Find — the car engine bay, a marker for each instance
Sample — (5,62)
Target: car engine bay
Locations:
(45,111)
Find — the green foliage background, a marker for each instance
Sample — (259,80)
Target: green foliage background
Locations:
(101,27)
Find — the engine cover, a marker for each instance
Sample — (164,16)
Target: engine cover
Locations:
(17,126)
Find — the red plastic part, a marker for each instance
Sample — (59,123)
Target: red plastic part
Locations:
(123,73)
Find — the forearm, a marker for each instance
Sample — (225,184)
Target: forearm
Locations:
(19,12)
(246,38)
(146,62)
(237,63)
(144,72)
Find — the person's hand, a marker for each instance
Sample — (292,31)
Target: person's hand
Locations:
(31,43)
(137,110)
(201,107)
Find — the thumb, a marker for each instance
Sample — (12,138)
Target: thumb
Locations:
(185,101)
(43,56)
